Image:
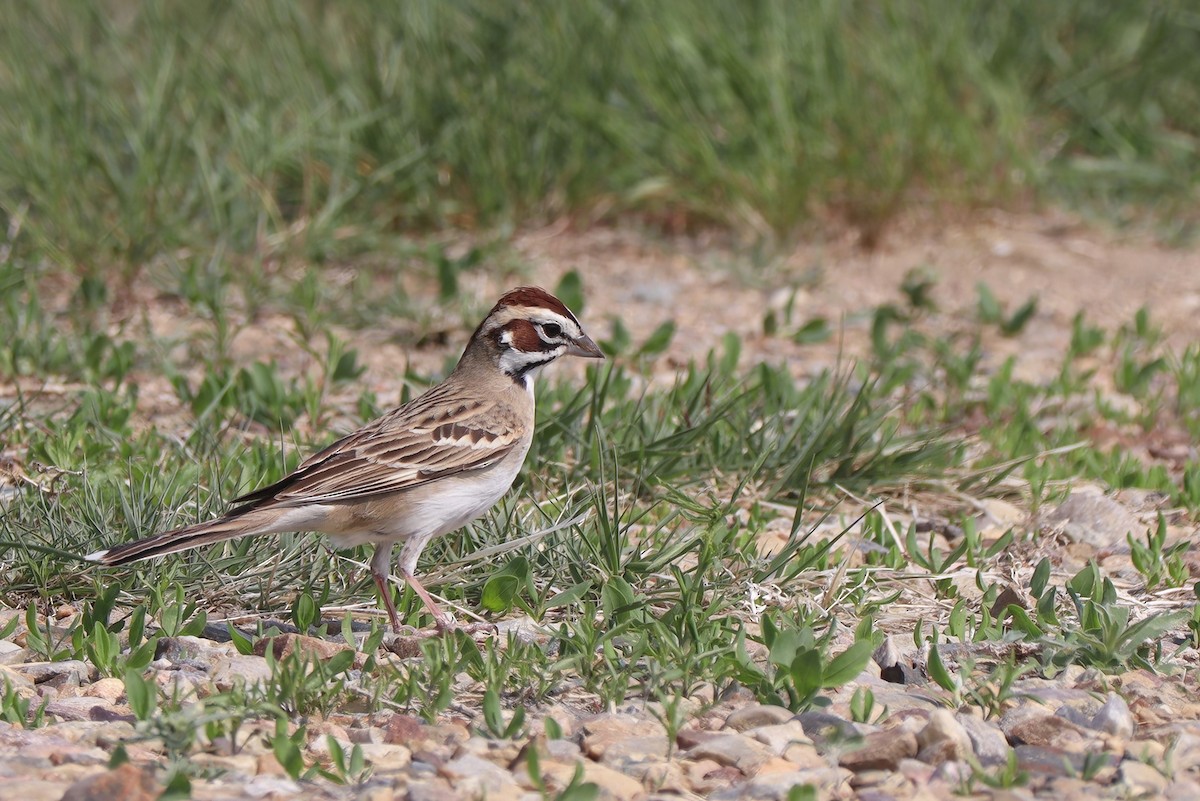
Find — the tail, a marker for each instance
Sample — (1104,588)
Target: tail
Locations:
(180,539)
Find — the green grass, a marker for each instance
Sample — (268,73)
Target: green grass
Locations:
(633,538)
(205,162)
(139,138)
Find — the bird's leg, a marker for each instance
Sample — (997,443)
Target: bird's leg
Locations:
(408,568)
(380,564)
(441,620)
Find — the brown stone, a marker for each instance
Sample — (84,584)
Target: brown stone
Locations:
(756,715)
(943,738)
(880,751)
(1053,731)
(1090,517)
(404,729)
(733,750)
(612,784)
(604,731)
(1142,780)
(309,647)
(125,782)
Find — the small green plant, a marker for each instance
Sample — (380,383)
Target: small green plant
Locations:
(799,667)
(20,711)
(493,718)
(1006,777)
(862,707)
(992,312)
(1157,562)
(346,768)
(303,684)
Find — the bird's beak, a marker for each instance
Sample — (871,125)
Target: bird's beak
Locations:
(585,347)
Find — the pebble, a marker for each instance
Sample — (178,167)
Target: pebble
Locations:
(1053,731)
(828,730)
(1090,517)
(880,751)
(475,777)
(386,757)
(915,749)
(1141,779)
(944,736)
(244,669)
(780,737)
(732,750)
(613,784)
(615,731)
(39,672)
(987,740)
(11,653)
(757,715)
(126,782)
(1114,718)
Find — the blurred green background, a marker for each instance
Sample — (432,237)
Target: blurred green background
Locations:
(319,130)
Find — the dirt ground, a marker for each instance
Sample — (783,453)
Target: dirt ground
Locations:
(709,289)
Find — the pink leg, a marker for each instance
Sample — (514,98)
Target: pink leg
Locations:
(441,620)
(386,594)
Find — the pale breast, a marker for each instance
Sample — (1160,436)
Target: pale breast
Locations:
(429,510)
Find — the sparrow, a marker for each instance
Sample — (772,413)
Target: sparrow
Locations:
(421,470)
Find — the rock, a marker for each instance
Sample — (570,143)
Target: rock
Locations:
(756,715)
(635,749)
(385,757)
(309,647)
(11,653)
(21,683)
(1114,718)
(78,708)
(780,736)
(1149,751)
(602,731)
(563,750)
(944,736)
(125,782)
(1052,731)
(192,649)
(881,750)
(38,672)
(1141,779)
(404,729)
(613,786)
(1182,790)
(732,750)
(366,734)
(107,689)
(475,777)
(1052,761)
(432,790)
(1090,517)
(987,741)
(243,669)
(778,786)
(32,790)
(267,787)
(828,730)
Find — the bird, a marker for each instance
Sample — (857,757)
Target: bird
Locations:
(419,471)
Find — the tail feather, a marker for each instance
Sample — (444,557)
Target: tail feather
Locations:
(180,539)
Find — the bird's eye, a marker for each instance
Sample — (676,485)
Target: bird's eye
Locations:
(552,330)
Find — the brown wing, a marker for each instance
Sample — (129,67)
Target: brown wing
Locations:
(441,433)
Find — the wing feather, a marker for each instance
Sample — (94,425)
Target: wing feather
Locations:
(442,433)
